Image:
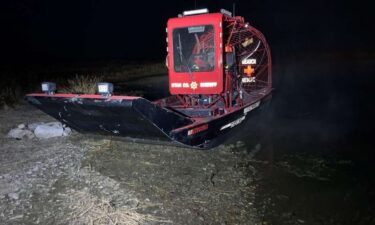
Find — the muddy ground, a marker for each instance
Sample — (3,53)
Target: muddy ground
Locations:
(42,180)
(82,179)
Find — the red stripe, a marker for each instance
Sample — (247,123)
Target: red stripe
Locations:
(83,96)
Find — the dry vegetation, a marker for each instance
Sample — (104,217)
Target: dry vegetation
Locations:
(89,209)
(87,83)
(81,84)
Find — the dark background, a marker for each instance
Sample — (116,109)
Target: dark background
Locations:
(43,30)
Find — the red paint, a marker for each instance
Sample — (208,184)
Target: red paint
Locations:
(214,19)
(197,129)
(88,96)
(228,48)
(229,36)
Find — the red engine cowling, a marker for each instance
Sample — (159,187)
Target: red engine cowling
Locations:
(218,55)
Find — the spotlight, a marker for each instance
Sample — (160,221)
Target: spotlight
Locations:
(49,88)
(105,89)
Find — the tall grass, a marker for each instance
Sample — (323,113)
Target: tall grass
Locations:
(81,84)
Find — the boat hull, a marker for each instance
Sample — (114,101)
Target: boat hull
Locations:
(139,119)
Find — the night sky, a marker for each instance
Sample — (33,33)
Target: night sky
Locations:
(49,31)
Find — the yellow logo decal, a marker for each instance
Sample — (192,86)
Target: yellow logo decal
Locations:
(193,85)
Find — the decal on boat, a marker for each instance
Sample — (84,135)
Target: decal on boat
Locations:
(180,85)
(248,80)
(208,84)
(233,124)
(197,129)
(193,85)
(249,61)
(251,107)
(176,85)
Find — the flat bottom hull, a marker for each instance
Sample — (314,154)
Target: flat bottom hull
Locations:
(137,119)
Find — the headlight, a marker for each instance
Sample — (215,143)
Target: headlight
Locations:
(195,12)
(49,88)
(105,89)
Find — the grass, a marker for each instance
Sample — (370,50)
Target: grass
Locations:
(89,209)
(87,83)
(112,73)
(81,84)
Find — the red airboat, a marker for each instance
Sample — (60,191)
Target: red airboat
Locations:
(219,71)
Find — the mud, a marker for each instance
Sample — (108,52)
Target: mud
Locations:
(168,184)
(69,180)
(187,186)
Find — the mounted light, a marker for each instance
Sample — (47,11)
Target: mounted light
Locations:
(48,88)
(226,12)
(105,89)
(194,12)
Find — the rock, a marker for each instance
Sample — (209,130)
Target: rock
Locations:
(18,133)
(32,126)
(49,130)
(132,203)
(67,131)
(13,196)
(21,126)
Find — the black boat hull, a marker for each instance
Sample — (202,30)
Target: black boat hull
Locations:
(136,118)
